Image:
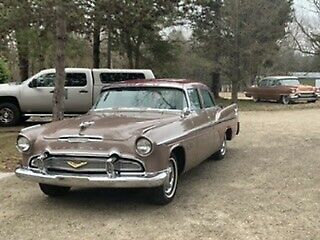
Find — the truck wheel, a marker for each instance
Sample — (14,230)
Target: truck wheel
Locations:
(9,114)
(285,100)
(53,191)
(222,152)
(164,194)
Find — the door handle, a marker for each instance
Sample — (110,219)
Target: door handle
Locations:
(83,91)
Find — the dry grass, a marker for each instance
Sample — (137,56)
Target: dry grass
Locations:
(9,155)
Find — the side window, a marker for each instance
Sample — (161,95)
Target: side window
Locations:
(194,99)
(76,80)
(207,99)
(118,77)
(263,83)
(46,80)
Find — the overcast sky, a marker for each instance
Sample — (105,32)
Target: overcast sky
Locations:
(303,7)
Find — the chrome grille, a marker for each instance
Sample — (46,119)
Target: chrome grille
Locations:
(307,95)
(88,165)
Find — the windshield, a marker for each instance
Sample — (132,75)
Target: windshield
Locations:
(290,82)
(145,98)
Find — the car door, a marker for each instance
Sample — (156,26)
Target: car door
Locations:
(275,90)
(200,136)
(36,95)
(78,92)
(211,110)
(263,88)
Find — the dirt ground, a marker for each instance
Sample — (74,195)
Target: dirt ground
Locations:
(268,187)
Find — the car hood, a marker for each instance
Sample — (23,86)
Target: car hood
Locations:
(304,88)
(110,126)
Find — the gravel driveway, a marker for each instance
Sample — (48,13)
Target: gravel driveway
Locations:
(268,187)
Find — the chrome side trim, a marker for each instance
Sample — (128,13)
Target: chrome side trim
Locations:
(208,125)
(31,127)
(49,115)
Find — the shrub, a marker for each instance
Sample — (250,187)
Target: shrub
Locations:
(4,72)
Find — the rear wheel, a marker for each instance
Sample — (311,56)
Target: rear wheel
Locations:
(285,100)
(53,191)
(9,114)
(255,99)
(219,155)
(164,194)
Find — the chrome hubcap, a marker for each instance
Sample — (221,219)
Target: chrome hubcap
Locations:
(171,182)
(6,115)
(285,100)
(223,149)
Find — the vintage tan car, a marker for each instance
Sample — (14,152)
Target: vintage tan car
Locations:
(139,134)
(284,89)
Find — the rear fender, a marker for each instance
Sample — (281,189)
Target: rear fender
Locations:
(227,113)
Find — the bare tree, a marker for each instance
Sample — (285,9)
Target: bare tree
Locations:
(61,39)
(307,37)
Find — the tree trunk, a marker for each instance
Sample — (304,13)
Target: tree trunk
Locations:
(216,85)
(23,55)
(23,67)
(234,93)
(61,39)
(235,84)
(129,50)
(137,50)
(96,45)
(109,51)
(137,56)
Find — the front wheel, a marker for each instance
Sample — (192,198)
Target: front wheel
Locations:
(164,194)
(285,100)
(53,191)
(219,155)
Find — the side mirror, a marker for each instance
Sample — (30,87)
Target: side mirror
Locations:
(186,112)
(33,83)
(221,106)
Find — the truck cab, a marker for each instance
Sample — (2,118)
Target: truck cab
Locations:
(33,97)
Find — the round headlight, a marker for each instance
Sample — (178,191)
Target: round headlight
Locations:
(23,144)
(143,146)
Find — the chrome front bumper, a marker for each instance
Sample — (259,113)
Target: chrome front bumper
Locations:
(301,98)
(146,180)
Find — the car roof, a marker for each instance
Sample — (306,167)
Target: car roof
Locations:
(167,82)
(281,77)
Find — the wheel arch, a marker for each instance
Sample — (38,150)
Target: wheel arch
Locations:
(10,99)
(180,154)
(229,133)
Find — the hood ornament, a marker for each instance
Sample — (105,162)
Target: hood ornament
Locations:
(84,125)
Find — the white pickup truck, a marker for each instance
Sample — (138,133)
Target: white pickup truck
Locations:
(33,97)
